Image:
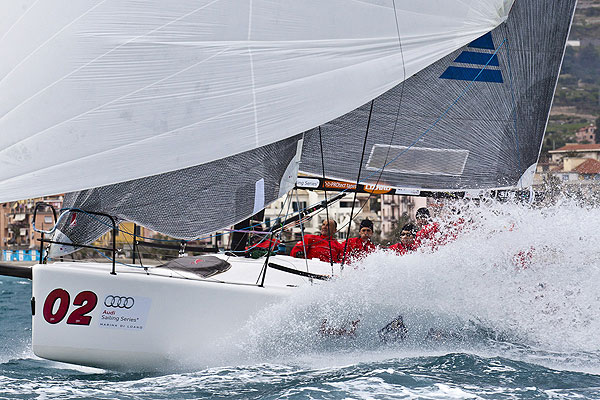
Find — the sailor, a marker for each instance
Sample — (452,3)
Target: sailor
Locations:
(394,331)
(454,226)
(359,247)
(427,229)
(260,243)
(408,241)
(323,246)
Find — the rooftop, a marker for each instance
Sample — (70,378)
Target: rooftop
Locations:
(588,167)
(577,147)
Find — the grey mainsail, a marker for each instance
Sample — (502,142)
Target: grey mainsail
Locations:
(473,120)
(188,203)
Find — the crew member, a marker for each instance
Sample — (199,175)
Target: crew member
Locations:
(323,246)
(427,229)
(359,247)
(260,244)
(408,241)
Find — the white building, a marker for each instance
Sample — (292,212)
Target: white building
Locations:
(393,207)
(339,211)
(384,210)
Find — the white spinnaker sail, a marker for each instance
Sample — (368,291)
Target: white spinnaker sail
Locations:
(100,92)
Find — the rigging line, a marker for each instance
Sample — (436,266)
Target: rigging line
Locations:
(289,199)
(297,161)
(263,270)
(400,98)
(287,212)
(326,205)
(117,262)
(362,157)
(266,235)
(385,162)
(302,231)
(446,111)
(512,93)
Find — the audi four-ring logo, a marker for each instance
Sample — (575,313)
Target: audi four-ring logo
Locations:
(119,301)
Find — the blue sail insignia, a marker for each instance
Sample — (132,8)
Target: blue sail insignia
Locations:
(484,59)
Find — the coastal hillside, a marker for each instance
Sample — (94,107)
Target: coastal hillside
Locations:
(577,99)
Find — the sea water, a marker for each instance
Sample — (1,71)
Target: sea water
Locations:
(507,308)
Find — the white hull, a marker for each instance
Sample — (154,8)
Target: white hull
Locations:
(154,319)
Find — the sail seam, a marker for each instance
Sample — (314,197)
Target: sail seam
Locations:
(252,74)
(18,20)
(120,98)
(105,54)
(49,39)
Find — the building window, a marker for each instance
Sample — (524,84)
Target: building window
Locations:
(295,205)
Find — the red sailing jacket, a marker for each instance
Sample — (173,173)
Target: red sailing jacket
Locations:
(428,232)
(401,249)
(357,248)
(428,236)
(317,246)
(266,244)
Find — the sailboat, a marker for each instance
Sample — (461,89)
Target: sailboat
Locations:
(188,117)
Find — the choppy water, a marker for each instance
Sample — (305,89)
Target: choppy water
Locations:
(509,310)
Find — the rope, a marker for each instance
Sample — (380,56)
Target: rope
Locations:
(302,232)
(326,206)
(362,157)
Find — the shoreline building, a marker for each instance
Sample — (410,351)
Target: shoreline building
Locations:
(575,165)
(18,240)
(587,134)
(386,211)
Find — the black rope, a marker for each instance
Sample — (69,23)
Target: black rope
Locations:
(362,157)
(263,271)
(399,100)
(395,121)
(298,272)
(326,206)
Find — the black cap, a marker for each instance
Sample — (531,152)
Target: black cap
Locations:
(422,212)
(366,223)
(410,227)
